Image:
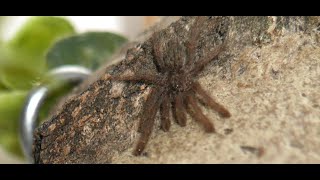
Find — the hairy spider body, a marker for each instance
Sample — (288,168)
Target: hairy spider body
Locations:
(174,87)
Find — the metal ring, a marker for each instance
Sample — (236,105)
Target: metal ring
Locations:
(35,99)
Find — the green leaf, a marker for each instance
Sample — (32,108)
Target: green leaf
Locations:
(24,55)
(17,78)
(88,49)
(39,33)
(11,104)
(11,143)
(1,27)
(17,75)
(2,87)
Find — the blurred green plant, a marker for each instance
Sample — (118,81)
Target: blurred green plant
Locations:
(10,106)
(43,43)
(88,49)
(26,50)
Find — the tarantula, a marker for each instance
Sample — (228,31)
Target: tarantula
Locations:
(174,86)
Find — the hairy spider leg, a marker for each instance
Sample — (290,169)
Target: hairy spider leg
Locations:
(158,55)
(170,55)
(147,121)
(149,108)
(165,113)
(201,63)
(140,77)
(195,112)
(192,66)
(191,44)
(178,110)
(178,51)
(207,100)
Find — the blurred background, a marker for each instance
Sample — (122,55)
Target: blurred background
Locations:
(32,45)
(128,26)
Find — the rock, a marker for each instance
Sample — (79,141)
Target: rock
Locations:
(268,77)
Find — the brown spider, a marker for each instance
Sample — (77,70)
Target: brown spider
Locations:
(174,86)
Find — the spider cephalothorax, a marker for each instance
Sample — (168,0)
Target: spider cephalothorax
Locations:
(179,81)
(174,85)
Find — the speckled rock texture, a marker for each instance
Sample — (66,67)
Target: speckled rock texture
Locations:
(268,77)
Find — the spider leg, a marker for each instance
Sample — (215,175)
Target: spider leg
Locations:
(158,54)
(147,121)
(195,112)
(144,78)
(201,63)
(191,44)
(178,110)
(149,108)
(209,101)
(178,53)
(164,111)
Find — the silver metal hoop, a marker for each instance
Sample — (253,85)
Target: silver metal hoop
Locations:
(35,99)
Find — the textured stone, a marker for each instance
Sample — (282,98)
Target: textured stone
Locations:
(268,78)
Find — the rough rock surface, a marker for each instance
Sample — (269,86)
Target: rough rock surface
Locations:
(268,78)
